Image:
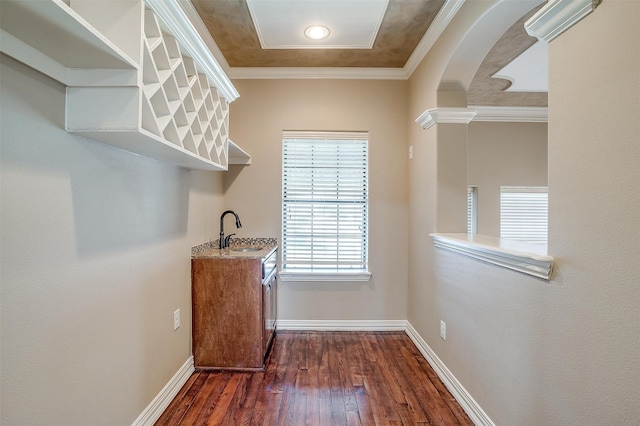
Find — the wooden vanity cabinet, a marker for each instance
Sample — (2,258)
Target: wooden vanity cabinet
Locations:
(229,313)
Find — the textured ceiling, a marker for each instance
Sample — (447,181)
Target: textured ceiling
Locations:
(486,90)
(402,28)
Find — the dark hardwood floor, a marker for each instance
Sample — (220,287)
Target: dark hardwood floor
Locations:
(323,378)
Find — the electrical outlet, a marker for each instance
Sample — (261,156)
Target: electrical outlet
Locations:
(176,319)
(443,330)
(410,152)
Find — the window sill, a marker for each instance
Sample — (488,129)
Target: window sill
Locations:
(527,258)
(287,276)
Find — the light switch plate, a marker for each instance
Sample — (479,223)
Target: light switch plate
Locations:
(176,319)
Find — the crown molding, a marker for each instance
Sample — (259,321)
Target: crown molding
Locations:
(442,19)
(182,27)
(192,14)
(511,114)
(558,16)
(266,73)
(446,115)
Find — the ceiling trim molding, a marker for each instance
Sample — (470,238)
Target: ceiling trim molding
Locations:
(265,73)
(182,28)
(441,21)
(446,115)
(203,31)
(264,26)
(558,16)
(511,114)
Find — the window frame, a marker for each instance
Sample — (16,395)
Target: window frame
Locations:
(337,274)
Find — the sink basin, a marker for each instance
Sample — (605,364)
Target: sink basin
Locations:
(247,249)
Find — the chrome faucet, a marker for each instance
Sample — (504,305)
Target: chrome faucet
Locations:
(224,242)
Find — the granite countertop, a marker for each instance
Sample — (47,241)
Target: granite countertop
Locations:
(210,249)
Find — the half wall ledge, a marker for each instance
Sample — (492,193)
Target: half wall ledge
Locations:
(530,259)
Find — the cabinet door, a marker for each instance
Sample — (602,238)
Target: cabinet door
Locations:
(227,313)
(274,302)
(266,313)
(269,311)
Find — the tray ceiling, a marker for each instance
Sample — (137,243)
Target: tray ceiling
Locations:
(281,24)
(403,24)
(253,36)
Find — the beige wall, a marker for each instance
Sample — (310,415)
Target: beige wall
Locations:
(428,300)
(593,346)
(503,154)
(532,352)
(95,241)
(94,260)
(266,108)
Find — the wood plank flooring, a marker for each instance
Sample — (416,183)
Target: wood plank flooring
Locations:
(322,378)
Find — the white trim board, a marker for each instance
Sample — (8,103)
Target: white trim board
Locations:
(461,395)
(445,115)
(466,401)
(511,114)
(187,34)
(530,259)
(497,114)
(342,325)
(354,73)
(160,403)
(437,27)
(155,409)
(557,17)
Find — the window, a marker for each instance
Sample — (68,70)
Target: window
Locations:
(523,213)
(472,210)
(324,204)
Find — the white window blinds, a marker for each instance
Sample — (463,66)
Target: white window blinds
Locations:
(523,213)
(472,209)
(324,202)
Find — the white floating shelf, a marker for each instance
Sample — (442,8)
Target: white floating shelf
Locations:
(52,38)
(237,155)
(170,102)
(53,27)
(147,144)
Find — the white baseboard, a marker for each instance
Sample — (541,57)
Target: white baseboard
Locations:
(342,325)
(155,409)
(466,401)
(160,403)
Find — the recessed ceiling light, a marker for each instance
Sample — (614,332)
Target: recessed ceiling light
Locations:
(317,32)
